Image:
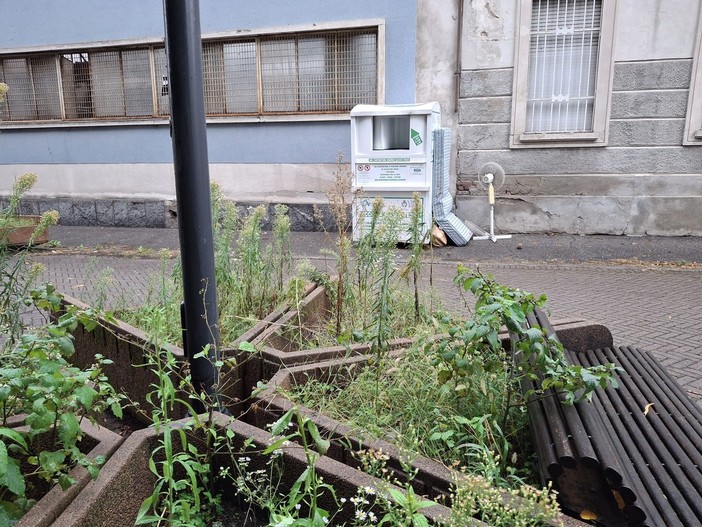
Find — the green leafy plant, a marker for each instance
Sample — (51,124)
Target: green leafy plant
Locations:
(183,494)
(397,507)
(38,385)
(280,249)
(338,196)
(506,378)
(534,354)
(369,303)
(248,279)
(410,408)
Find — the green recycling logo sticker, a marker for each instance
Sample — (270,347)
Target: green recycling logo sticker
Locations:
(414,134)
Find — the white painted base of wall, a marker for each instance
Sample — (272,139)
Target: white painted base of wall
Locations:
(285,183)
(617,215)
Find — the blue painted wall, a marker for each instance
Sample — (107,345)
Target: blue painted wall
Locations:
(50,22)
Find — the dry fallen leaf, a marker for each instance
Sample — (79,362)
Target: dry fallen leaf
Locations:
(619,499)
(647,408)
(587,515)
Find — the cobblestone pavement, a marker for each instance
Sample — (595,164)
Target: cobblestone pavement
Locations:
(653,307)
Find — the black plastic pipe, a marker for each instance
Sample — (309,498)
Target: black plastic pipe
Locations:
(189,136)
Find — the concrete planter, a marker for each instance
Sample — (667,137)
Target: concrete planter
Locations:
(113,500)
(128,348)
(432,478)
(276,339)
(20,236)
(96,442)
(125,481)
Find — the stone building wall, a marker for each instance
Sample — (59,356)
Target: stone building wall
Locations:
(643,182)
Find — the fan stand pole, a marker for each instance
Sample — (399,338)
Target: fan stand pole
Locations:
(492,236)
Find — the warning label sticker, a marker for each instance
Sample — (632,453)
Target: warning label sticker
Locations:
(410,174)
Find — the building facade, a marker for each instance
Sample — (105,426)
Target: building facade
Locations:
(593,107)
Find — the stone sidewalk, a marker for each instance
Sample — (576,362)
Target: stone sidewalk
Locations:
(617,281)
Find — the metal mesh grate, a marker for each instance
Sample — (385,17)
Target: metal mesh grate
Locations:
(311,72)
(33,93)
(563,65)
(107,84)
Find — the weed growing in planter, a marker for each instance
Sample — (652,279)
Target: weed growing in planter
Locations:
(10,217)
(534,355)
(418,414)
(474,497)
(51,396)
(17,274)
(459,399)
(300,505)
(338,203)
(183,494)
(249,284)
(416,241)
(371,305)
(395,506)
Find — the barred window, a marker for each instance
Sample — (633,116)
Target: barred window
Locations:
(563,73)
(32,89)
(107,84)
(563,64)
(302,73)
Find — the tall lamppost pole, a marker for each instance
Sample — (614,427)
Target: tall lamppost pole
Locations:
(189,136)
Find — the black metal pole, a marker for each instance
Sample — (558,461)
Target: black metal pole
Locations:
(189,135)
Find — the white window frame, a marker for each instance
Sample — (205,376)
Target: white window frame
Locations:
(693,122)
(603,91)
(277,31)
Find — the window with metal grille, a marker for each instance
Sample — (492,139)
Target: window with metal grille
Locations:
(107,84)
(563,71)
(563,63)
(32,89)
(322,72)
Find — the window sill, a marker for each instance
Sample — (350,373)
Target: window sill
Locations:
(91,123)
(693,138)
(553,140)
